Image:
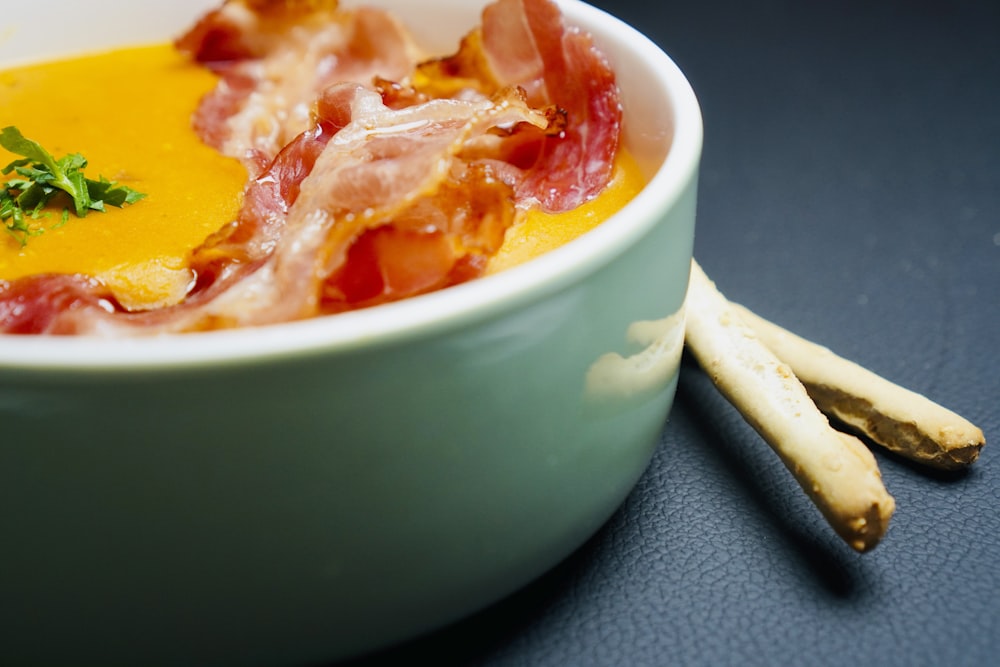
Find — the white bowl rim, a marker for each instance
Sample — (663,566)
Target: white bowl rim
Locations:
(426,314)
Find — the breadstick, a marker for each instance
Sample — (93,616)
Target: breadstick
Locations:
(835,470)
(900,420)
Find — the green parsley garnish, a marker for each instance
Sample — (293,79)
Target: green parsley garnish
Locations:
(41,177)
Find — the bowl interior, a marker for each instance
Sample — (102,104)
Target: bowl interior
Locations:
(662,130)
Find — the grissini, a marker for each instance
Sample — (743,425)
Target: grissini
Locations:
(900,420)
(835,469)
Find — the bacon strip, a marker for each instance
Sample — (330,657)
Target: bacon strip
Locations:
(51,303)
(275,57)
(526,43)
(390,182)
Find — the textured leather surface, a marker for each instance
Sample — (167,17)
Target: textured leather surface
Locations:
(851,191)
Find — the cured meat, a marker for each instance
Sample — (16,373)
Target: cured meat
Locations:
(275,57)
(52,303)
(390,209)
(526,43)
(399,179)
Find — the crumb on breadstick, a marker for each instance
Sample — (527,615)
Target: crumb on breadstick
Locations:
(835,470)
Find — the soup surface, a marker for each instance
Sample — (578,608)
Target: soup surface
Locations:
(133,113)
(128,111)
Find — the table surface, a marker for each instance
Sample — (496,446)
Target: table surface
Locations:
(850,190)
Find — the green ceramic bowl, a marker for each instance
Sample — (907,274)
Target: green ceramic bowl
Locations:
(307,492)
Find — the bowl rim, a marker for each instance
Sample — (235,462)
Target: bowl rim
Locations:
(427,314)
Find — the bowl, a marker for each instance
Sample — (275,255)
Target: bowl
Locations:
(308,492)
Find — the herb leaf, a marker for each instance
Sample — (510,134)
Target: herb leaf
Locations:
(43,177)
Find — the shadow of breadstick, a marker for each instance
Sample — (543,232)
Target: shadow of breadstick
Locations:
(757,477)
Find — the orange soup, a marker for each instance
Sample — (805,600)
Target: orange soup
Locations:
(129,113)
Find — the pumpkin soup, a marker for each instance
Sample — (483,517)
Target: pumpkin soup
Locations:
(390,190)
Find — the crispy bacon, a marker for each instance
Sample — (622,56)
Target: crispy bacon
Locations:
(51,303)
(526,43)
(393,185)
(388,178)
(275,57)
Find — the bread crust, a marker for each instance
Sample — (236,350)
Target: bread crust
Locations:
(901,420)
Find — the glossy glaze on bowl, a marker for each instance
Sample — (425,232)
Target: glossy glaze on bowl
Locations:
(306,492)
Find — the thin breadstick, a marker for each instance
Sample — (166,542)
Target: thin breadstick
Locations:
(835,470)
(900,420)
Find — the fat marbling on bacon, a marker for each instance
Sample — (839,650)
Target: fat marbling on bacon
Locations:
(373,176)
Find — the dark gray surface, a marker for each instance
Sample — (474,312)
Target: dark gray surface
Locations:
(850,191)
